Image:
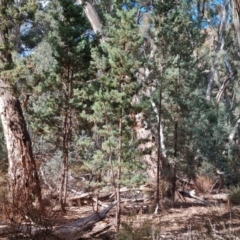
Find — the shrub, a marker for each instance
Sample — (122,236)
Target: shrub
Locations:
(234,196)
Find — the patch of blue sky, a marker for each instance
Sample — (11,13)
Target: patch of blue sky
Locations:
(142,8)
(26,52)
(213,20)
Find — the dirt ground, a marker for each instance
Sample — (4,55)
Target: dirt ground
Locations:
(181,220)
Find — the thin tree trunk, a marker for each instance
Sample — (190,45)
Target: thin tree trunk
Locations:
(66,138)
(118,185)
(24,184)
(174,178)
(159,158)
(224,86)
(64,175)
(163,147)
(118,212)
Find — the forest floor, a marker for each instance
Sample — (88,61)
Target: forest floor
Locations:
(183,220)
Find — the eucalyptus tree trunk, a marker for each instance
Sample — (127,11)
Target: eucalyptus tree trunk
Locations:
(234,131)
(92,16)
(235,5)
(24,183)
(223,13)
(219,47)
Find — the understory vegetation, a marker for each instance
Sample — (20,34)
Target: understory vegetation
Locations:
(117,100)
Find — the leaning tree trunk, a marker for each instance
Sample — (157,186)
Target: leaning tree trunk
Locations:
(23,177)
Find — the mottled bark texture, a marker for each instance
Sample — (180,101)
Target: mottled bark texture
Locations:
(23,178)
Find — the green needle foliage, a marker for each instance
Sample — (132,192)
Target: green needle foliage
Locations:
(177,73)
(92,82)
(62,69)
(117,64)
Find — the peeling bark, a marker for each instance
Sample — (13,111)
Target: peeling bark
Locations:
(148,147)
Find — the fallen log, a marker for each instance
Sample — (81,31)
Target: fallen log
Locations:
(88,199)
(97,233)
(73,230)
(191,194)
(224,197)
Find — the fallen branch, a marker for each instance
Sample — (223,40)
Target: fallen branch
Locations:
(74,230)
(224,86)
(191,194)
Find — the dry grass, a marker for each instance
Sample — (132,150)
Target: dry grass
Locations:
(22,219)
(128,231)
(204,183)
(190,222)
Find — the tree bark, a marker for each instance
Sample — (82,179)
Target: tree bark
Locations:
(118,185)
(64,174)
(24,183)
(220,46)
(65,148)
(92,16)
(224,86)
(234,132)
(235,5)
(163,147)
(159,195)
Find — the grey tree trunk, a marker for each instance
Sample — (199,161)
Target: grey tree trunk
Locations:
(92,16)
(219,47)
(235,5)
